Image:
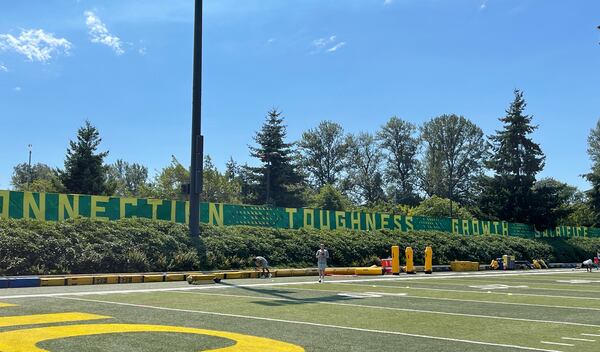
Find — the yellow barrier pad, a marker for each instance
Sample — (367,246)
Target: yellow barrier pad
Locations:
(106,279)
(233,275)
(52,281)
(130,279)
(368,271)
(175,277)
(153,278)
(80,280)
(283,272)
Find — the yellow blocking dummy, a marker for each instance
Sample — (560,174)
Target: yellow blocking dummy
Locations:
(428,260)
(410,265)
(395,260)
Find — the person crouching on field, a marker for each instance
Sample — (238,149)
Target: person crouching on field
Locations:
(322,256)
(588,265)
(262,263)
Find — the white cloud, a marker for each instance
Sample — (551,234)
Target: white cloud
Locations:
(271,41)
(142,51)
(483,5)
(388,2)
(100,34)
(35,44)
(336,47)
(3,68)
(329,44)
(17,89)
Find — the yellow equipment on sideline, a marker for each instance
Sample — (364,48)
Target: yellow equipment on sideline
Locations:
(395,260)
(410,265)
(428,260)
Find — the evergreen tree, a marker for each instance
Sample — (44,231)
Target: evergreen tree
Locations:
(277,181)
(515,160)
(85,172)
(594,176)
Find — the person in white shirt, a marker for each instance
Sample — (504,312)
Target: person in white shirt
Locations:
(322,256)
(588,265)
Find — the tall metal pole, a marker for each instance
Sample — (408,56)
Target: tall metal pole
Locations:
(197,138)
(30,176)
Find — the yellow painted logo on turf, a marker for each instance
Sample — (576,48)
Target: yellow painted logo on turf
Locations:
(26,340)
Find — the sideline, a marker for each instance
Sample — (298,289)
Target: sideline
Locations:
(284,283)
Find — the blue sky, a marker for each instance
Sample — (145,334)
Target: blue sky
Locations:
(126,66)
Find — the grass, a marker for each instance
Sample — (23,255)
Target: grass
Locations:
(529,311)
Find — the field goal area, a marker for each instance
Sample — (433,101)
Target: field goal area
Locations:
(550,310)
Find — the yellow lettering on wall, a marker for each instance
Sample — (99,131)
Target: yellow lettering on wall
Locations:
(465,227)
(95,208)
(385,221)
(455,227)
(585,231)
(485,226)
(215,215)
(340,219)
(504,228)
(291,212)
(355,220)
(397,223)
(174,211)
(5,204)
(496,225)
(409,223)
(123,206)
(324,214)
(38,209)
(475,226)
(309,213)
(65,205)
(370,223)
(155,203)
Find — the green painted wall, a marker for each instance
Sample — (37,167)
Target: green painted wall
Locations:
(56,207)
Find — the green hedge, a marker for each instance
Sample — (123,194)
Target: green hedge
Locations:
(88,246)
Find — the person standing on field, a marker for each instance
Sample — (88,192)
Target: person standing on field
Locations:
(322,256)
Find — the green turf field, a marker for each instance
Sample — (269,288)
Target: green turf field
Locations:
(555,310)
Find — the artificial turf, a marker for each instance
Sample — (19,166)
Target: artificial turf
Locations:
(486,311)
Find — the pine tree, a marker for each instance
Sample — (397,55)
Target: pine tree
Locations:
(277,181)
(594,176)
(85,172)
(515,160)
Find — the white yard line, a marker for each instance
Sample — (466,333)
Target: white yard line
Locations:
(461,300)
(296,322)
(422,311)
(577,339)
(594,335)
(557,343)
(471,291)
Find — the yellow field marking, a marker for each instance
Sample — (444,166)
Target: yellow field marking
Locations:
(2,305)
(26,340)
(47,319)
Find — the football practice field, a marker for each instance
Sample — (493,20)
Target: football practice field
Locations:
(551,310)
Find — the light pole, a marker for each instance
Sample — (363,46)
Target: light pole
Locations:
(196,167)
(30,172)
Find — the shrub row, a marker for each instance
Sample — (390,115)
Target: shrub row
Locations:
(132,245)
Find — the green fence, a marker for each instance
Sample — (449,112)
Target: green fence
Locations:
(57,207)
